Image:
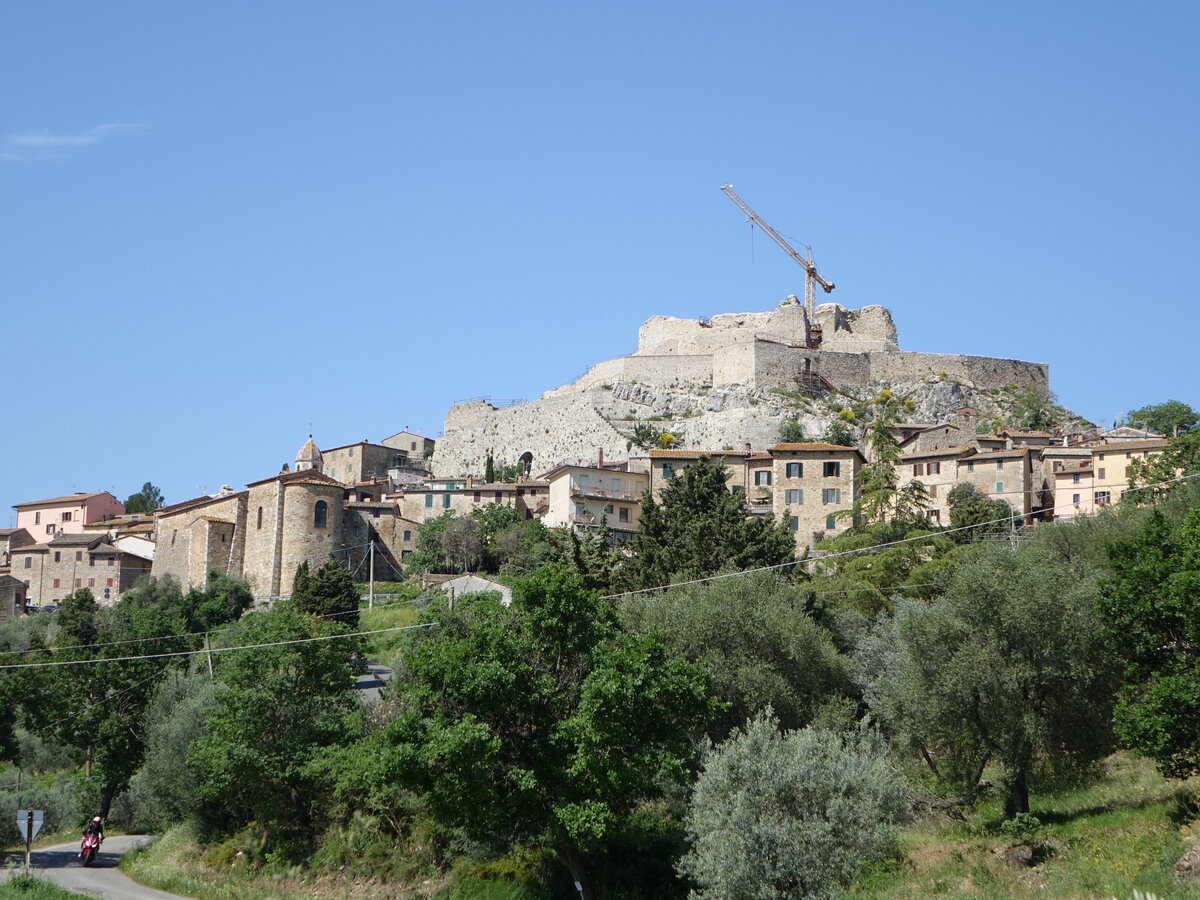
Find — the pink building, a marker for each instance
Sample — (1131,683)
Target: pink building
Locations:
(66,515)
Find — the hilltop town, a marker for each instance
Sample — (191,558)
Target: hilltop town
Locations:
(775,396)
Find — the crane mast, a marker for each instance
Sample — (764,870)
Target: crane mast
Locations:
(811,276)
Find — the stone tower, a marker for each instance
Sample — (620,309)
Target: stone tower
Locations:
(308,457)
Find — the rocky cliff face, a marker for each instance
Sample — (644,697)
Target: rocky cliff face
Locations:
(731,381)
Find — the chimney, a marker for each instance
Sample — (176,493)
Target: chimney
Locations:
(600,458)
(748,449)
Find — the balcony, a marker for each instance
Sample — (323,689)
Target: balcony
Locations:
(586,490)
(588,520)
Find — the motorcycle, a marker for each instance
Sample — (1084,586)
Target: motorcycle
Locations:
(88,849)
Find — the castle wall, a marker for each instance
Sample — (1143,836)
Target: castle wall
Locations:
(552,429)
(262,537)
(183,542)
(979,371)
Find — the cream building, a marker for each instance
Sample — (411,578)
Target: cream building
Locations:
(1110,463)
(583,497)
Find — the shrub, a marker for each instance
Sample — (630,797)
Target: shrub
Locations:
(791,814)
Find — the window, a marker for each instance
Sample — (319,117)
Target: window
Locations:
(520,492)
(668,470)
(91,582)
(1075,499)
(1129,456)
(375,513)
(736,489)
(581,509)
(793,523)
(1102,498)
(1075,478)
(29,562)
(357,530)
(107,593)
(50,528)
(999,487)
(830,523)
(413,446)
(971,466)
(429,499)
(1101,456)
(623,514)
(831,495)
(445,501)
(616,486)
(37,518)
(831,469)
(91,560)
(110,560)
(57,583)
(999,464)
(762,476)
(918,470)
(933,490)
(57,556)
(608,509)
(78,582)
(795,470)
(1099,473)
(320,514)
(935,516)
(793,495)
(476,496)
(260,517)
(78,556)
(66,517)
(407,535)
(934,468)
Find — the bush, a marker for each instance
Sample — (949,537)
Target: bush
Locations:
(793,814)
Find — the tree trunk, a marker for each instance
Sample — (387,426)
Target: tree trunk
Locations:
(106,799)
(1018,793)
(573,860)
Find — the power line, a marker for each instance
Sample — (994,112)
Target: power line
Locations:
(874,547)
(327,637)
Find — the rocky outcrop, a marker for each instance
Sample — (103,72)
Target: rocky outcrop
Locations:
(729,381)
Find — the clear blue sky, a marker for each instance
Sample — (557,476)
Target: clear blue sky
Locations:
(224,221)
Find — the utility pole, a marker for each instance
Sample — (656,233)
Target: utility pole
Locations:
(371,568)
(208,653)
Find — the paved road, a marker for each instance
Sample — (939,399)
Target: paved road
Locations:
(102,878)
(370,683)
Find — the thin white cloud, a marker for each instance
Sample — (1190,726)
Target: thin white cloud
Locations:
(44,144)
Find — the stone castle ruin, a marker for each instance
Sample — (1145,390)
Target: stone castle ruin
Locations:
(729,381)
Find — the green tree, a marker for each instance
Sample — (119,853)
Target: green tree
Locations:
(1034,408)
(792,432)
(793,815)
(645,435)
(1166,418)
(78,619)
(543,721)
(493,519)
(758,643)
(1152,607)
(699,529)
(148,499)
(329,593)
(276,709)
(174,721)
(839,432)
(878,496)
(489,469)
(970,506)
(1181,458)
(1010,663)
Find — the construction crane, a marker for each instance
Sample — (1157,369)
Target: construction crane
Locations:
(811,276)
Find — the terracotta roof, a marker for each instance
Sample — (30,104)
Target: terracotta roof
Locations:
(362,443)
(214,519)
(941,451)
(306,476)
(812,445)
(70,498)
(999,454)
(105,549)
(195,501)
(74,540)
(369,504)
(1122,446)
(694,454)
(1039,434)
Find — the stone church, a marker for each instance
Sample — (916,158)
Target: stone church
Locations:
(263,533)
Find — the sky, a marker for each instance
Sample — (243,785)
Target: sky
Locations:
(225,225)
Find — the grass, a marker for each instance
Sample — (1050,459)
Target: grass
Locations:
(33,887)
(1120,834)
(381,648)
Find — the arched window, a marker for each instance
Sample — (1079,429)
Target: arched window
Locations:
(260,517)
(320,514)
